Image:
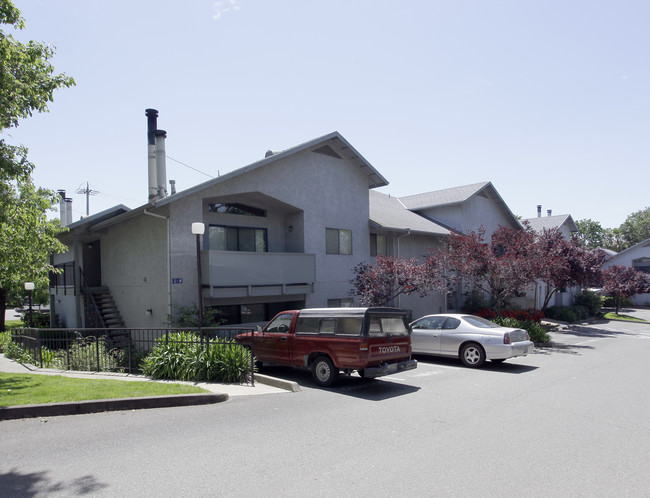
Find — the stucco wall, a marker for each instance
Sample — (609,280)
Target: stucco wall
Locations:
(135,269)
(326,192)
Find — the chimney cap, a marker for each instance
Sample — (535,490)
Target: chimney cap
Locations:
(152,112)
(160,133)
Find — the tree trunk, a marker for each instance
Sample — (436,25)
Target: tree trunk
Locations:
(3,308)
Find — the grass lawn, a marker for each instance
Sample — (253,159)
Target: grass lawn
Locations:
(614,316)
(31,389)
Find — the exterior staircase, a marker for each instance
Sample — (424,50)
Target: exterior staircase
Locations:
(101,309)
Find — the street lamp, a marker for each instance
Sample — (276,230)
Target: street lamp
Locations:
(198,229)
(29,287)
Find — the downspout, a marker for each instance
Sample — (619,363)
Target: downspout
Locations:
(169,261)
(77,281)
(408,232)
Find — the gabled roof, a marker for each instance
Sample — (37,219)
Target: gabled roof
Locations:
(332,144)
(457,195)
(541,223)
(389,213)
(444,197)
(643,243)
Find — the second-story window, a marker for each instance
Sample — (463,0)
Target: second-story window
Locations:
(378,244)
(338,241)
(227,238)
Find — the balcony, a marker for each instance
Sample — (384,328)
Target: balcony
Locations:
(243,274)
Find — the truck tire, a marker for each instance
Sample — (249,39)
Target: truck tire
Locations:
(323,371)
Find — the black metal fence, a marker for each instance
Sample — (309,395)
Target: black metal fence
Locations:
(112,350)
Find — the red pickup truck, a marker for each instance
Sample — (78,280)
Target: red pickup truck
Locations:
(372,341)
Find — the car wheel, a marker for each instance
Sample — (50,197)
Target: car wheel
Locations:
(472,355)
(323,371)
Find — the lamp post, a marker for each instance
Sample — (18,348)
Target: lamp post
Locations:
(29,287)
(198,229)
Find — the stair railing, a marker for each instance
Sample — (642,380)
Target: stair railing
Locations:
(93,315)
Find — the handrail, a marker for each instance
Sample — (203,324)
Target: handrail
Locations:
(96,316)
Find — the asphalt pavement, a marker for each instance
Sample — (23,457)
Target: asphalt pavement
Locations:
(215,392)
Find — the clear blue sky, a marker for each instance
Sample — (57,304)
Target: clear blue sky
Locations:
(547,99)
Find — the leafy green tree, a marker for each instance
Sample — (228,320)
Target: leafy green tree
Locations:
(636,228)
(27,238)
(591,234)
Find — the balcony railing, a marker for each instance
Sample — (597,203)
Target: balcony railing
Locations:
(259,273)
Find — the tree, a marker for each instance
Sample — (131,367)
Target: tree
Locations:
(27,239)
(622,282)
(563,263)
(27,84)
(591,234)
(501,268)
(378,285)
(636,227)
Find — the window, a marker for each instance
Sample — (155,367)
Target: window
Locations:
(345,302)
(378,245)
(235,208)
(338,241)
(226,238)
(280,324)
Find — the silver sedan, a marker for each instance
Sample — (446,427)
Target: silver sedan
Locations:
(471,338)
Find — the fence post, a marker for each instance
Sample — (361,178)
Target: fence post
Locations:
(130,352)
(252,358)
(97,348)
(40,346)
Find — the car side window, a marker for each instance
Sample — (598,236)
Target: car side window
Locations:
(452,323)
(432,323)
(280,324)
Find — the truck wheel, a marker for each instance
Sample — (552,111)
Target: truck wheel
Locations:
(323,371)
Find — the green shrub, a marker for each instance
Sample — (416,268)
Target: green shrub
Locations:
(561,313)
(182,356)
(608,302)
(13,350)
(589,300)
(535,330)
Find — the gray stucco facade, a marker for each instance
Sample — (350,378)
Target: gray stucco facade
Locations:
(284,232)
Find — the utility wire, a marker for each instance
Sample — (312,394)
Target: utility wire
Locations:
(188,166)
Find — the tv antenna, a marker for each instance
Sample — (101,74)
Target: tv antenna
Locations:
(88,192)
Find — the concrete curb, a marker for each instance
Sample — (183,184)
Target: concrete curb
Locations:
(105,405)
(287,385)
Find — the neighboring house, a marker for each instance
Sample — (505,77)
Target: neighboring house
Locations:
(638,257)
(564,223)
(464,209)
(404,234)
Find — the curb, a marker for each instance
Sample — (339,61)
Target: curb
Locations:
(105,405)
(287,385)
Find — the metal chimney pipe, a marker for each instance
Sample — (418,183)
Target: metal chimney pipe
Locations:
(548,212)
(172,185)
(539,210)
(62,216)
(68,211)
(161,163)
(152,126)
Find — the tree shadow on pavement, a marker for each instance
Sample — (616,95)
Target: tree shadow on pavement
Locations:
(14,483)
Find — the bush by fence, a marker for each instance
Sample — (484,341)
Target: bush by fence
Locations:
(160,353)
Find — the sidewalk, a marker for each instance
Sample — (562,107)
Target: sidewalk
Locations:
(217,392)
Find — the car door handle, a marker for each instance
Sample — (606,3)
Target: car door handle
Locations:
(283,338)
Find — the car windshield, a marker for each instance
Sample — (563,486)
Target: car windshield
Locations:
(477,321)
